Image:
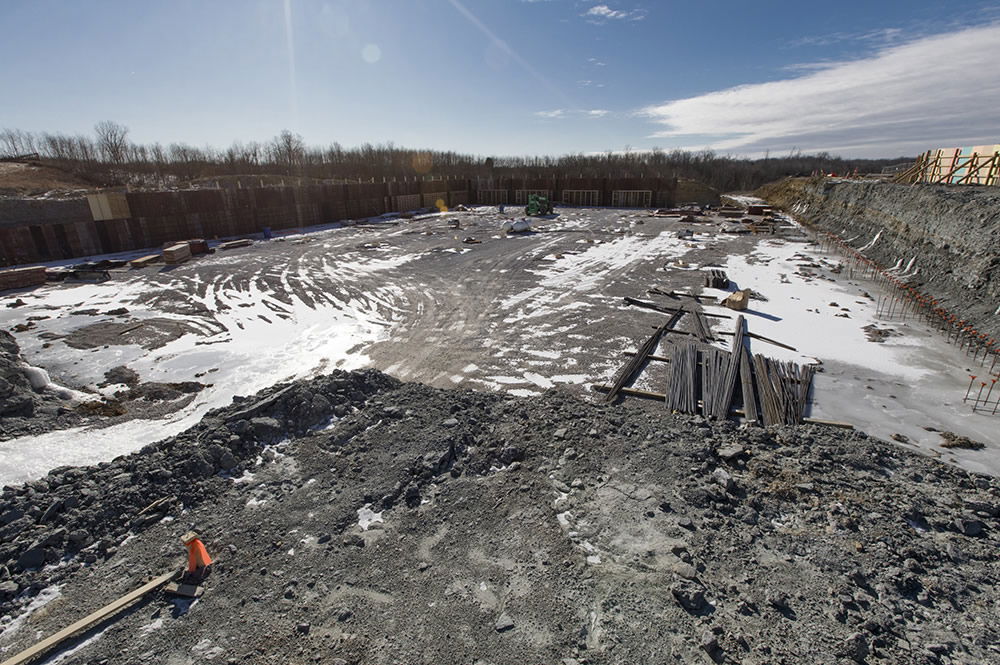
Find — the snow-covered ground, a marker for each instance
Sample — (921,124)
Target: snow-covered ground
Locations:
(250,336)
(909,382)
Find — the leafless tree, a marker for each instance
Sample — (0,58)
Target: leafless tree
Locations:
(112,141)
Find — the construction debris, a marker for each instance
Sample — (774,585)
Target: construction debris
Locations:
(737,300)
(717,279)
(144,261)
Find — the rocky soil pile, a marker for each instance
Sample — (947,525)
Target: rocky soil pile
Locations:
(355,519)
(953,233)
(24,410)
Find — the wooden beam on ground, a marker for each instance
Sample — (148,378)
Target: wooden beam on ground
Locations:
(91,619)
(770,341)
(680,294)
(729,334)
(665,310)
(627,373)
(624,391)
(663,398)
(662,359)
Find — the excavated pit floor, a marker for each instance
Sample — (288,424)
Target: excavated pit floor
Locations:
(518,314)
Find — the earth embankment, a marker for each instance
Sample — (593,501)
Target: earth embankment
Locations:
(951,234)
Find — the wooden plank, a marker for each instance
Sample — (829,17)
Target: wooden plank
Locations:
(665,310)
(93,618)
(728,387)
(627,373)
(747,388)
(663,398)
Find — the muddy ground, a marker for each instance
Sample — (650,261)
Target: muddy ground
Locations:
(355,519)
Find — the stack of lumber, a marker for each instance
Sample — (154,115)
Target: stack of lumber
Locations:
(178,253)
(233,244)
(19,278)
(144,261)
(717,279)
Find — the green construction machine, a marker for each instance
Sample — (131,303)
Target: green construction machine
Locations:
(538,206)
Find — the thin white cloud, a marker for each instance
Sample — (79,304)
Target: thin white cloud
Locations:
(879,36)
(596,63)
(565,113)
(603,11)
(934,91)
(600,14)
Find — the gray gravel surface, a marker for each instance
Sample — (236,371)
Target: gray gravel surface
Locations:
(513,530)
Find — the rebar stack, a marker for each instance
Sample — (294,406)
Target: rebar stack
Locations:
(713,372)
(682,394)
(784,390)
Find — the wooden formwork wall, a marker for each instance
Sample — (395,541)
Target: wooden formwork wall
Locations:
(33,230)
(971,165)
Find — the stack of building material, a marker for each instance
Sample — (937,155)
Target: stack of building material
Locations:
(144,261)
(178,253)
(198,246)
(717,279)
(233,244)
(19,278)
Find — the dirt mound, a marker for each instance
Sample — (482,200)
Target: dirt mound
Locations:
(20,179)
(358,520)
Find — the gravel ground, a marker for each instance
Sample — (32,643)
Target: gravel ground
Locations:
(504,529)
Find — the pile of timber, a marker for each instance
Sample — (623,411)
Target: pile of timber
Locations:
(681,391)
(784,390)
(772,392)
(717,279)
(233,244)
(19,278)
(178,253)
(144,261)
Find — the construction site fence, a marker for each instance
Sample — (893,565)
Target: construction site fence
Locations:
(972,165)
(36,230)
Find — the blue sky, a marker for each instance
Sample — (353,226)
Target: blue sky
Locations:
(512,76)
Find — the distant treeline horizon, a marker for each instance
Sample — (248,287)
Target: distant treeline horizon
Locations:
(110,158)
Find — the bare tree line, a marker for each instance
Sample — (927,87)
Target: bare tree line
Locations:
(109,158)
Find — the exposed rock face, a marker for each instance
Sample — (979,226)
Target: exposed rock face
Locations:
(16,395)
(951,233)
